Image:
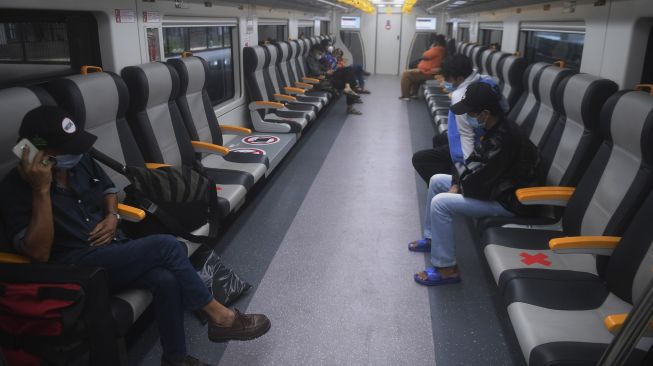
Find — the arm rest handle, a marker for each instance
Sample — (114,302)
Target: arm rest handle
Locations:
(614,322)
(284,97)
(207,148)
(130,213)
(156,165)
(600,245)
(554,196)
(267,104)
(645,87)
(14,258)
(303,85)
(291,90)
(310,80)
(236,129)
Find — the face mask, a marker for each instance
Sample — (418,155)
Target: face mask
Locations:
(330,49)
(472,121)
(449,86)
(65,162)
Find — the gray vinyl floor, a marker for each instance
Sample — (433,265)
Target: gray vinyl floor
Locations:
(324,245)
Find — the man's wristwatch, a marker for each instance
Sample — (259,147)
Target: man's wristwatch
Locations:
(117,215)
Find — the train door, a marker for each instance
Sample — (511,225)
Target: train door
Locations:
(388,43)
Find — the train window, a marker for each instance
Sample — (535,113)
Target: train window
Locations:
(270,30)
(36,46)
(550,42)
(490,34)
(463,32)
(214,44)
(450,29)
(303,32)
(324,27)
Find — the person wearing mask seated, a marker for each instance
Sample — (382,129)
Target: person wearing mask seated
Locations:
(333,59)
(426,69)
(503,161)
(458,143)
(340,79)
(61,207)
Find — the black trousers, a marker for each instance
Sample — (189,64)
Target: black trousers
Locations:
(434,161)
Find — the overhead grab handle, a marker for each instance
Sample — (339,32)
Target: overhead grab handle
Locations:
(86,69)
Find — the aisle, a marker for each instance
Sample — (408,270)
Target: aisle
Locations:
(339,290)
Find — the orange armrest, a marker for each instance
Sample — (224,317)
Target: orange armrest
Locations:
(320,77)
(14,258)
(205,147)
(156,165)
(555,196)
(303,85)
(130,213)
(294,90)
(600,245)
(269,104)
(236,129)
(614,322)
(645,87)
(285,97)
(310,80)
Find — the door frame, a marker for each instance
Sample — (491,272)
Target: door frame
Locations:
(376,40)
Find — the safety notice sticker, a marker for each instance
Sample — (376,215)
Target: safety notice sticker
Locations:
(249,151)
(260,140)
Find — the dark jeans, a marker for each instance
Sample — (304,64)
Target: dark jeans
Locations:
(159,263)
(434,161)
(357,69)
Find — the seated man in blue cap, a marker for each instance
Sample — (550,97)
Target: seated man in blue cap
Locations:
(503,161)
(62,207)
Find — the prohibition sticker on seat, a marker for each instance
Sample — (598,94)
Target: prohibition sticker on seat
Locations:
(249,151)
(260,140)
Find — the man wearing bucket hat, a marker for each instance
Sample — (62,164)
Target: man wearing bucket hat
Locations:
(502,161)
(62,207)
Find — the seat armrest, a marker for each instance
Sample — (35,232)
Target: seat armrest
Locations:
(130,213)
(553,196)
(303,85)
(310,80)
(14,258)
(156,165)
(614,322)
(292,91)
(208,148)
(254,106)
(236,129)
(600,245)
(284,98)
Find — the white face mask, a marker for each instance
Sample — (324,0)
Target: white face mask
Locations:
(330,49)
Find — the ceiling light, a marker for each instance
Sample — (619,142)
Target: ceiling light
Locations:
(438,4)
(332,4)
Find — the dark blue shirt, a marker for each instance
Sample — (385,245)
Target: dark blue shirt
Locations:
(76,210)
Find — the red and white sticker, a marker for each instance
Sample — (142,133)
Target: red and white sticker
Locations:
(260,140)
(249,151)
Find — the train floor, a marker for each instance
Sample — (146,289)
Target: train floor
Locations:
(324,246)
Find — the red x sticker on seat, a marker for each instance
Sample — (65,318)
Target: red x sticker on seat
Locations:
(539,258)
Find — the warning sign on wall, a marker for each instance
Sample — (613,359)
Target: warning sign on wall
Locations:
(151,17)
(260,140)
(125,16)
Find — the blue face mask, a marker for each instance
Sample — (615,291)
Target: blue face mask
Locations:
(472,121)
(449,86)
(65,162)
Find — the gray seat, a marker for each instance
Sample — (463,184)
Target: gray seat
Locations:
(510,71)
(158,127)
(521,111)
(285,78)
(202,125)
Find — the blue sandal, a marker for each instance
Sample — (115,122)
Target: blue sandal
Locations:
(434,279)
(423,246)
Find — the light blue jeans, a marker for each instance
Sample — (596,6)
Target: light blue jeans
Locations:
(441,206)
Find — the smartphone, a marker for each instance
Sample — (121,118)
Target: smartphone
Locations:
(18,149)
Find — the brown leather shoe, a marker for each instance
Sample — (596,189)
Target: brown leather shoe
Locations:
(244,328)
(188,361)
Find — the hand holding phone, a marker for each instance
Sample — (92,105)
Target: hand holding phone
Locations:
(35,167)
(21,146)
